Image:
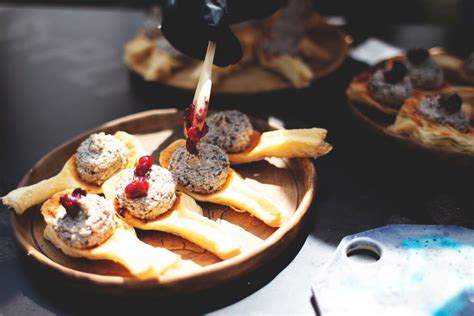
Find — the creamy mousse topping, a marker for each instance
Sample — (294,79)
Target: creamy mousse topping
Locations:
(392,86)
(424,72)
(204,172)
(469,64)
(84,220)
(99,157)
(445,110)
(230,130)
(148,204)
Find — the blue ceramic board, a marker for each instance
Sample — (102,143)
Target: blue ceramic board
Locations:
(421,270)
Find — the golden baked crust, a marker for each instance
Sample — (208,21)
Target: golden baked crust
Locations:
(184,219)
(292,143)
(142,260)
(235,193)
(414,125)
(23,198)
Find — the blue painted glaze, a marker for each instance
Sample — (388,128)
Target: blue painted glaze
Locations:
(458,305)
(431,242)
(417,277)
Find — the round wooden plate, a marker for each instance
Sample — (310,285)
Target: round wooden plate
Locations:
(253,78)
(290,182)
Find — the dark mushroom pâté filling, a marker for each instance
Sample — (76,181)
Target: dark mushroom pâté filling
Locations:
(230,130)
(445,110)
(84,221)
(424,72)
(392,86)
(99,157)
(206,172)
(159,197)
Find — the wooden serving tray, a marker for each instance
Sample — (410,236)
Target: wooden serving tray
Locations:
(290,182)
(253,78)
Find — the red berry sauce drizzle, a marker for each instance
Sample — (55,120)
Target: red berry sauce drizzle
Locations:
(71,201)
(139,186)
(195,125)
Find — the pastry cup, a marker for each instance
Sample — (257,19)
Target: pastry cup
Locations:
(123,247)
(235,193)
(184,219)
(23,198)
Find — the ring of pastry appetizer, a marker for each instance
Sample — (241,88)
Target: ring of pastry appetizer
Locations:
(97,159)
(85,225)
(207,177)
(233,132)
(436,121)
(146,198)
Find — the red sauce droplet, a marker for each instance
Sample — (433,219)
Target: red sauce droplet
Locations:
(195,125)
(143,166)
(71,202)
(137,188)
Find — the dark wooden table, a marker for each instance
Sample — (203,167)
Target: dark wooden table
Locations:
(61,73)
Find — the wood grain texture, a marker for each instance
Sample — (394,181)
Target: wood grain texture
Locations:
(253,78)
(290,182)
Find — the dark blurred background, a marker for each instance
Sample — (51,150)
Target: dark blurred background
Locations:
(405,20)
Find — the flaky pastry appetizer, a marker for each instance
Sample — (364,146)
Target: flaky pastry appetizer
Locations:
(385,89)
(85,225)
(437,121)
(233,132)
(146,198)
(206,176)
(97,158)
